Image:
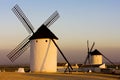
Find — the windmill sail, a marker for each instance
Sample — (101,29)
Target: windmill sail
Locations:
(21,16)
(86,59)
(92,46)
(51,19)
(89,52)
(15,53)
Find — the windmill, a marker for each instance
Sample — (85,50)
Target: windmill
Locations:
(42,43)
(95,56)
(89,53)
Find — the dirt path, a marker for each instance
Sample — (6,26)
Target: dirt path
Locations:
(56,76)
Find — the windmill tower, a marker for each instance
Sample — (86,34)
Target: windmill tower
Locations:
(96,57)
(43,47)
(43,52)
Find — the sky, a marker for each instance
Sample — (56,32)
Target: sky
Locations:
(80,20)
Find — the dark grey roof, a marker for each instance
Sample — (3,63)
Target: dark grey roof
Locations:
(43,32)
(95,52)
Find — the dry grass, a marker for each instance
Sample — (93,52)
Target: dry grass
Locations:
(56,76)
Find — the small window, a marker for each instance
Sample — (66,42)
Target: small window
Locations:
(46,40)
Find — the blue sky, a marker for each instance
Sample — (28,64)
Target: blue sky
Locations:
(80,20)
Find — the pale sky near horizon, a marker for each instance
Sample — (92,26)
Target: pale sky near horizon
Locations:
(80,20)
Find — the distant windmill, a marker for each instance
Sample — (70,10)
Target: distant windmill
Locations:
(94,56)
(43,47)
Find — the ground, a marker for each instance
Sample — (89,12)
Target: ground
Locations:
(57,76)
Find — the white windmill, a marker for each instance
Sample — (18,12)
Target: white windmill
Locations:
(95,57)
(43,47)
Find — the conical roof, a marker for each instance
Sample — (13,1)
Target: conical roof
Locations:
(43,32)
(95,52)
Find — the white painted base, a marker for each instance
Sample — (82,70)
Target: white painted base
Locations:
(43,56)
(96,59)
